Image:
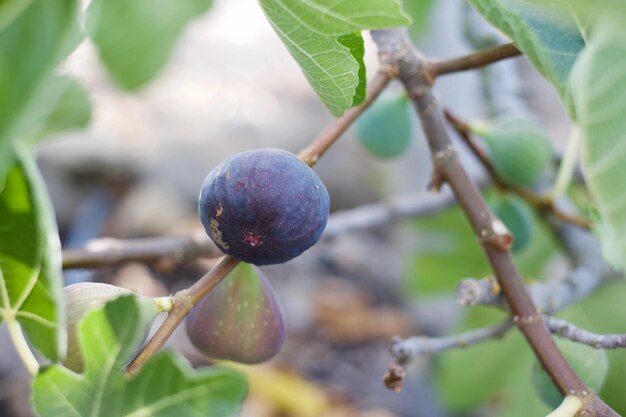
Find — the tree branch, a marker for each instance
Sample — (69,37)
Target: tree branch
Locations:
(472,61)
(404,350)
(595,340)
(395,49)
(540,203)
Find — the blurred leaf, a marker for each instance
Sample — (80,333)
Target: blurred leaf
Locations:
(10,9)
(590,364)
(61,104)
(544,31)
(31,45)
(136,37)
(165,387)
(30,258)
(385,129)
(503,366)
(517,217)
(421,13)
(520,148)
(312,31)
(598,89)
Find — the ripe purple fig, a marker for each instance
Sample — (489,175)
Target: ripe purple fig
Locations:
(263,206)
(85,296)
(240,320)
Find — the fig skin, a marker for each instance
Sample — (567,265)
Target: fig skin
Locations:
(240,320)
(263,206)
(85,296)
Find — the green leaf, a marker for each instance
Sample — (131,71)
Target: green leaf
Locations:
(420,12)
(61,104)
(10,9)
(136,37)
(165,387)
(544,31)
(31,45)
(30,257)
(312,31)
(386,128)
(590,364)
(598,89)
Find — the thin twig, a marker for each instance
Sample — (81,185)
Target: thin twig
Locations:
(403,350)
(109,252)
(572,332)
(539,202)
(395,49)
(473,61)
(337,127)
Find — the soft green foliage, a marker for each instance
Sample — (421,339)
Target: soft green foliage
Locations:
(10,9)
(520,149)
(544,31)
(517,217)
(421,13)
(31,45)
(30,257)
(136,37)
(386,128)
(61,104)
(314,33)
(590,364)
(504,369)
(165,387)
(598,89)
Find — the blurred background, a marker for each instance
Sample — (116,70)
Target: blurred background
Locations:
(229,86)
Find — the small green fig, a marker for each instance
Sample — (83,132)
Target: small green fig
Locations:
(517,217)
(85,296)
(520,148)
(240,320)
(386,128)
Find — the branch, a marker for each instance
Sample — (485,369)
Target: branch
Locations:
(403,350)
(539,202)
(109,251)
(333,131)
(553,295)
(395,49)
(473,61)
(595,340)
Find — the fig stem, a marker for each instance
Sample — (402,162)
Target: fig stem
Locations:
(472,61)
(19,342)
(182,303)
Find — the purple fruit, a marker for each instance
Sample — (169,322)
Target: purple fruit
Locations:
(263,206)
(240,320)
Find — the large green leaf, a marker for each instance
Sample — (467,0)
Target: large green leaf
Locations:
(544,31)
(314,32)
(598,90)
(136,37)
(30,257)
(31,45)
(165,387)
(10,9)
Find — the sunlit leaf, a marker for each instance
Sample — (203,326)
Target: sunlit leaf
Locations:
(166,386)
(314,33)
(30,257)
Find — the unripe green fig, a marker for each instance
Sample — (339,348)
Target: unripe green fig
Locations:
(520,149)
(85,296)
(517,217)
(240,320)
(386,128)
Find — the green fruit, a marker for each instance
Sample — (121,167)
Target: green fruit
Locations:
(590,364)
(386,128)
(517,217)
(86,296)
(520,149)
(240,320)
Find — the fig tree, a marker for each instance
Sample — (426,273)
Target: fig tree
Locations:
(263,206)
(240,320)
